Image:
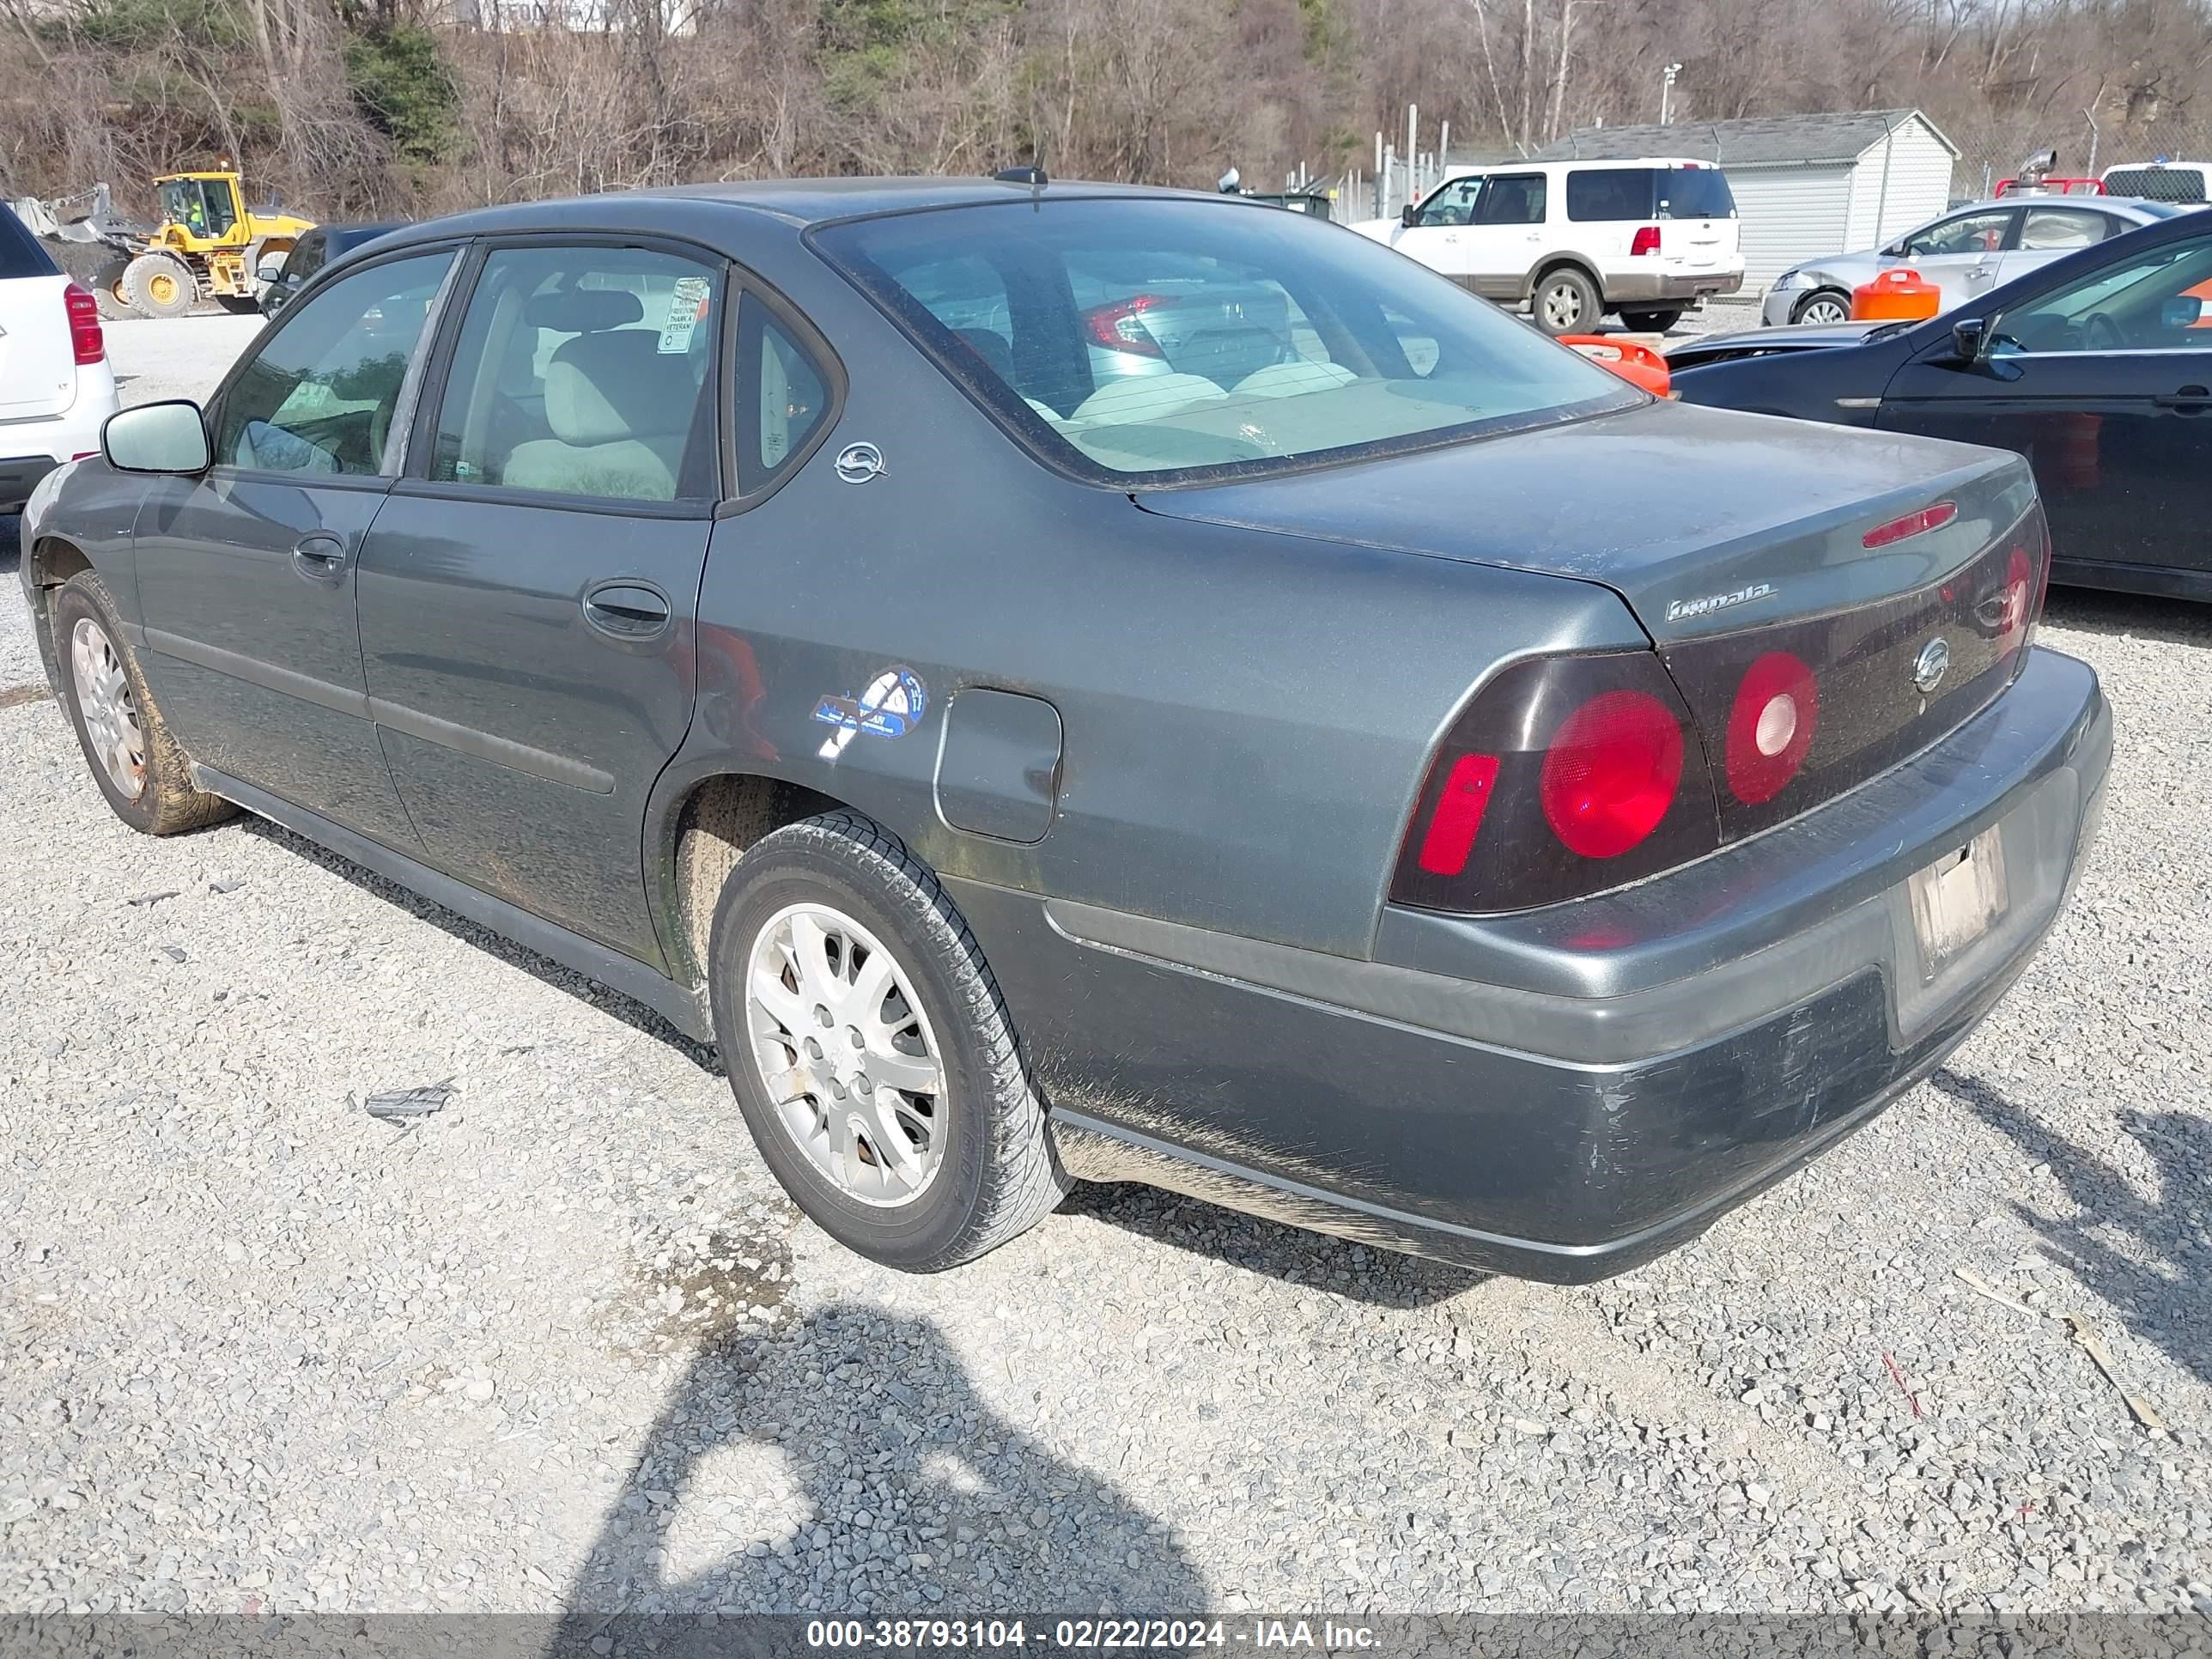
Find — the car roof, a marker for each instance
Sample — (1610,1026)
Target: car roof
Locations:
(798,203)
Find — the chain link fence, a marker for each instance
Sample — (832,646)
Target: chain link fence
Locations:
(1994,153)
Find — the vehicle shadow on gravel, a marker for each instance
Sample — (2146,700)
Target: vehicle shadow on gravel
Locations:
(847,1464)
(2172,622)
(609,1002)
(1383,1278)
(2160,1296)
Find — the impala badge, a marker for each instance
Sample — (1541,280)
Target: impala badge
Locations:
(858,463)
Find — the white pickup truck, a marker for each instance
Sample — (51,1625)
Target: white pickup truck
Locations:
(56,386)
(1573,241)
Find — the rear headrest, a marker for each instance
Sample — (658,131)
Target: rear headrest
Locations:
(603,388)
(583,310)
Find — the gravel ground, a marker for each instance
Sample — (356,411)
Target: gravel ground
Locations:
(562,1345)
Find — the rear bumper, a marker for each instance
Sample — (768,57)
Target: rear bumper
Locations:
(1565,1094)
(1648,288)
(19,475)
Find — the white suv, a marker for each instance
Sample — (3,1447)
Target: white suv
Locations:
(1575,239)
(56,388)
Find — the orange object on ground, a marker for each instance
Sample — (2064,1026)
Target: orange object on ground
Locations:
(1639,365)
(1898,293)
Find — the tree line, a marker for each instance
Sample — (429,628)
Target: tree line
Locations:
(361,108)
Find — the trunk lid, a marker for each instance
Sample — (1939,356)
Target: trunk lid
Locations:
(38,363)
(1739,542)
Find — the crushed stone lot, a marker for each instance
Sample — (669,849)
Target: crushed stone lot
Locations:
(560,1344)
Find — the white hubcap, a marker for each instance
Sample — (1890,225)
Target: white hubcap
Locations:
(1824,310)
(1563,307)
(110,713)
(846,1055)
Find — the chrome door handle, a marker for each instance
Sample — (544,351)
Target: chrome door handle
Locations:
(320,557)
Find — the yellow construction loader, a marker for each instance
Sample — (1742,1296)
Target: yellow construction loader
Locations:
(207,247)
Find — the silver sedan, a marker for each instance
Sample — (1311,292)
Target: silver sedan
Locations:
(1966,254)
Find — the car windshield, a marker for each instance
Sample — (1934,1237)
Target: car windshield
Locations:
(1164,341)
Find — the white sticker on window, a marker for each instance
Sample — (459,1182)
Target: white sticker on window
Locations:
(686,307)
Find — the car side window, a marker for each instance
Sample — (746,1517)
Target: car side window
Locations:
(318,397)
(307,257)
(1450,205)
(1970,233)
(584,371)
(783,397)
(2045,229)
(1514,198)
(2159,300)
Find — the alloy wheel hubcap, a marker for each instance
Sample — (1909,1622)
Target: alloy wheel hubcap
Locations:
(1562,306)
(110,712)
(850,1066)
(1823,311)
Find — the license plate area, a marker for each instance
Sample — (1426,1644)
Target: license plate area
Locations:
(1956,900)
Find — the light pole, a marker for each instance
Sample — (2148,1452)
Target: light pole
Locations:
(1667,92)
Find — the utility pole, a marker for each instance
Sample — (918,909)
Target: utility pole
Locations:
(1667,92)
(1413,130)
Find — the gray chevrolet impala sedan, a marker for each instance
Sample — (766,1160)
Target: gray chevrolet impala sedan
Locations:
(1067,681)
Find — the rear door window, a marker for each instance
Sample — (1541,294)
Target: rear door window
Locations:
(1610,194)
(1513,198)
(1695,193)
(584,371)
(2044,230)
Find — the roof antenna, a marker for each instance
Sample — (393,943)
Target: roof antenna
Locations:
(1033,176)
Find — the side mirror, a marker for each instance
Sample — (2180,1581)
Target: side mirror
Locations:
(1410,215)
(1970,339)
(2183,311)
(269,270)
(168,437)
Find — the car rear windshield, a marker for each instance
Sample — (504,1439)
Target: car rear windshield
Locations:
(2157,184)
(1166,341)
(1695,193)
(20,253)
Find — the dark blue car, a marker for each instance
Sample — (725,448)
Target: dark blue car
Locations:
(2097,368)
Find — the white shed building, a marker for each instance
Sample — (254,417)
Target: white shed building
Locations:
(1805,185)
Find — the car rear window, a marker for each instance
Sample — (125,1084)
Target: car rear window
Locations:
(2157,184)
(1695,193)
(1162,341)
(20,253)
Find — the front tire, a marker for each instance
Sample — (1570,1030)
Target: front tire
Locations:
(1823,305)
(870,1050)
(1565,302)
(137,763)
(159,286)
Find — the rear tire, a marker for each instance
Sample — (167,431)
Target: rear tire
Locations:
(1823,305)
(1651,322)
(1566,301)
(966,1160)
(159,286)
(137,763)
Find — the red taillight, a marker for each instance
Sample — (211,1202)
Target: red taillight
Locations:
(1458,818)
(1912,524)
(1611,771)
(2028,579)
(1646,241)
(85,332)
(1563,778)
(1771,726)
(1118,324)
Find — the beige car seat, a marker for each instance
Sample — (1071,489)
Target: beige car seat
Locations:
(620,410)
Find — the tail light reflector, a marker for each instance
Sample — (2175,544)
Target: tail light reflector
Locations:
(1564,777)
(1646,241)
(1610,774)
(1118,325)
(1777,708)
(1912,524)
(86,336)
